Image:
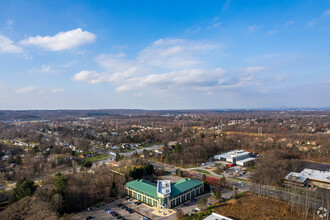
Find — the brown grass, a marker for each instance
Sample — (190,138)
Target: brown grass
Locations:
(260,208)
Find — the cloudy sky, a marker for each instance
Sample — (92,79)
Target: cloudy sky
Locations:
(164,54)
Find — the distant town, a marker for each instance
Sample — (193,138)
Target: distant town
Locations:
(136,164)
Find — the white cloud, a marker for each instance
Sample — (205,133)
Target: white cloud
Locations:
(170,65)
(271,32)
(254,28)
(61,41)
(27,89)
(254,69)
(182,79)
(175,53)
(48,69)
(214,25)
(8,46)
(9,23)
(68,64)
(327,12)
(288,23)
(311,23)
(226,5)
(57,90)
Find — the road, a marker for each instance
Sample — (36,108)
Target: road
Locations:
(154,147)
(244,186)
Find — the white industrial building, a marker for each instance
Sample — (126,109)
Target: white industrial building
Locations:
(309,177)
(238,157)
(215,216)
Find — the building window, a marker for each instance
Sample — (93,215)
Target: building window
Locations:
(149,201)
(177,201)
(130,193)
(188,196)
(144,199)
(154,203)
(134,195)
(192,194)
(183,198)
(139,197)
(172,203)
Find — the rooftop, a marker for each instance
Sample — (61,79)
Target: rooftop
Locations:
(183,185)
(144,186)
(296,177)
(215,216)
(316,175)
(150,188)
(311,174)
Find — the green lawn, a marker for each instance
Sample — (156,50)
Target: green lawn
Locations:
(96,158)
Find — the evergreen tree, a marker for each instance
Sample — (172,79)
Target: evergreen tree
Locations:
(24,187)
(61,182)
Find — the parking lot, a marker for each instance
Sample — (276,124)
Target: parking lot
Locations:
(98,212)
(119,206)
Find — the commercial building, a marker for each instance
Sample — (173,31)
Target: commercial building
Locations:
(164,194)
(309,178)
(215,216)
(238,157)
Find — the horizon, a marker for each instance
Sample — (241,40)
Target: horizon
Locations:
(164,55)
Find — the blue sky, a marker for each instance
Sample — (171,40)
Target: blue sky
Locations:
(164,54)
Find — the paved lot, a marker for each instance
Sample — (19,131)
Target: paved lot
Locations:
(99,213)
(190,205)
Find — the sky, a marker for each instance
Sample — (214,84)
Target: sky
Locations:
(164,54)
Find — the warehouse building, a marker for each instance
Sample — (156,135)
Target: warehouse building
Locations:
(238,157)
(164,194)
(309,178)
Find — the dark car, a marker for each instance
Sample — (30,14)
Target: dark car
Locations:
(89,217)
(119,217)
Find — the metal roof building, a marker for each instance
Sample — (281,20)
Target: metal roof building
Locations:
(309,177)
(239,157)
(164,194)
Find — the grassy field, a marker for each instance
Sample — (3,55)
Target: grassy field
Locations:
(98,157)
(203,171)
(251,207)
(254,207)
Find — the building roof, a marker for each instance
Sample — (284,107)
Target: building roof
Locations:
(163,187)
(323,176)
(245,160)
(150,188)
(144,186)
(233,153)
(298,177)
(319,175)
(215,216)
(183,185)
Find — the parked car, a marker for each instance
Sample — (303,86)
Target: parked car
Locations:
(89,217)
